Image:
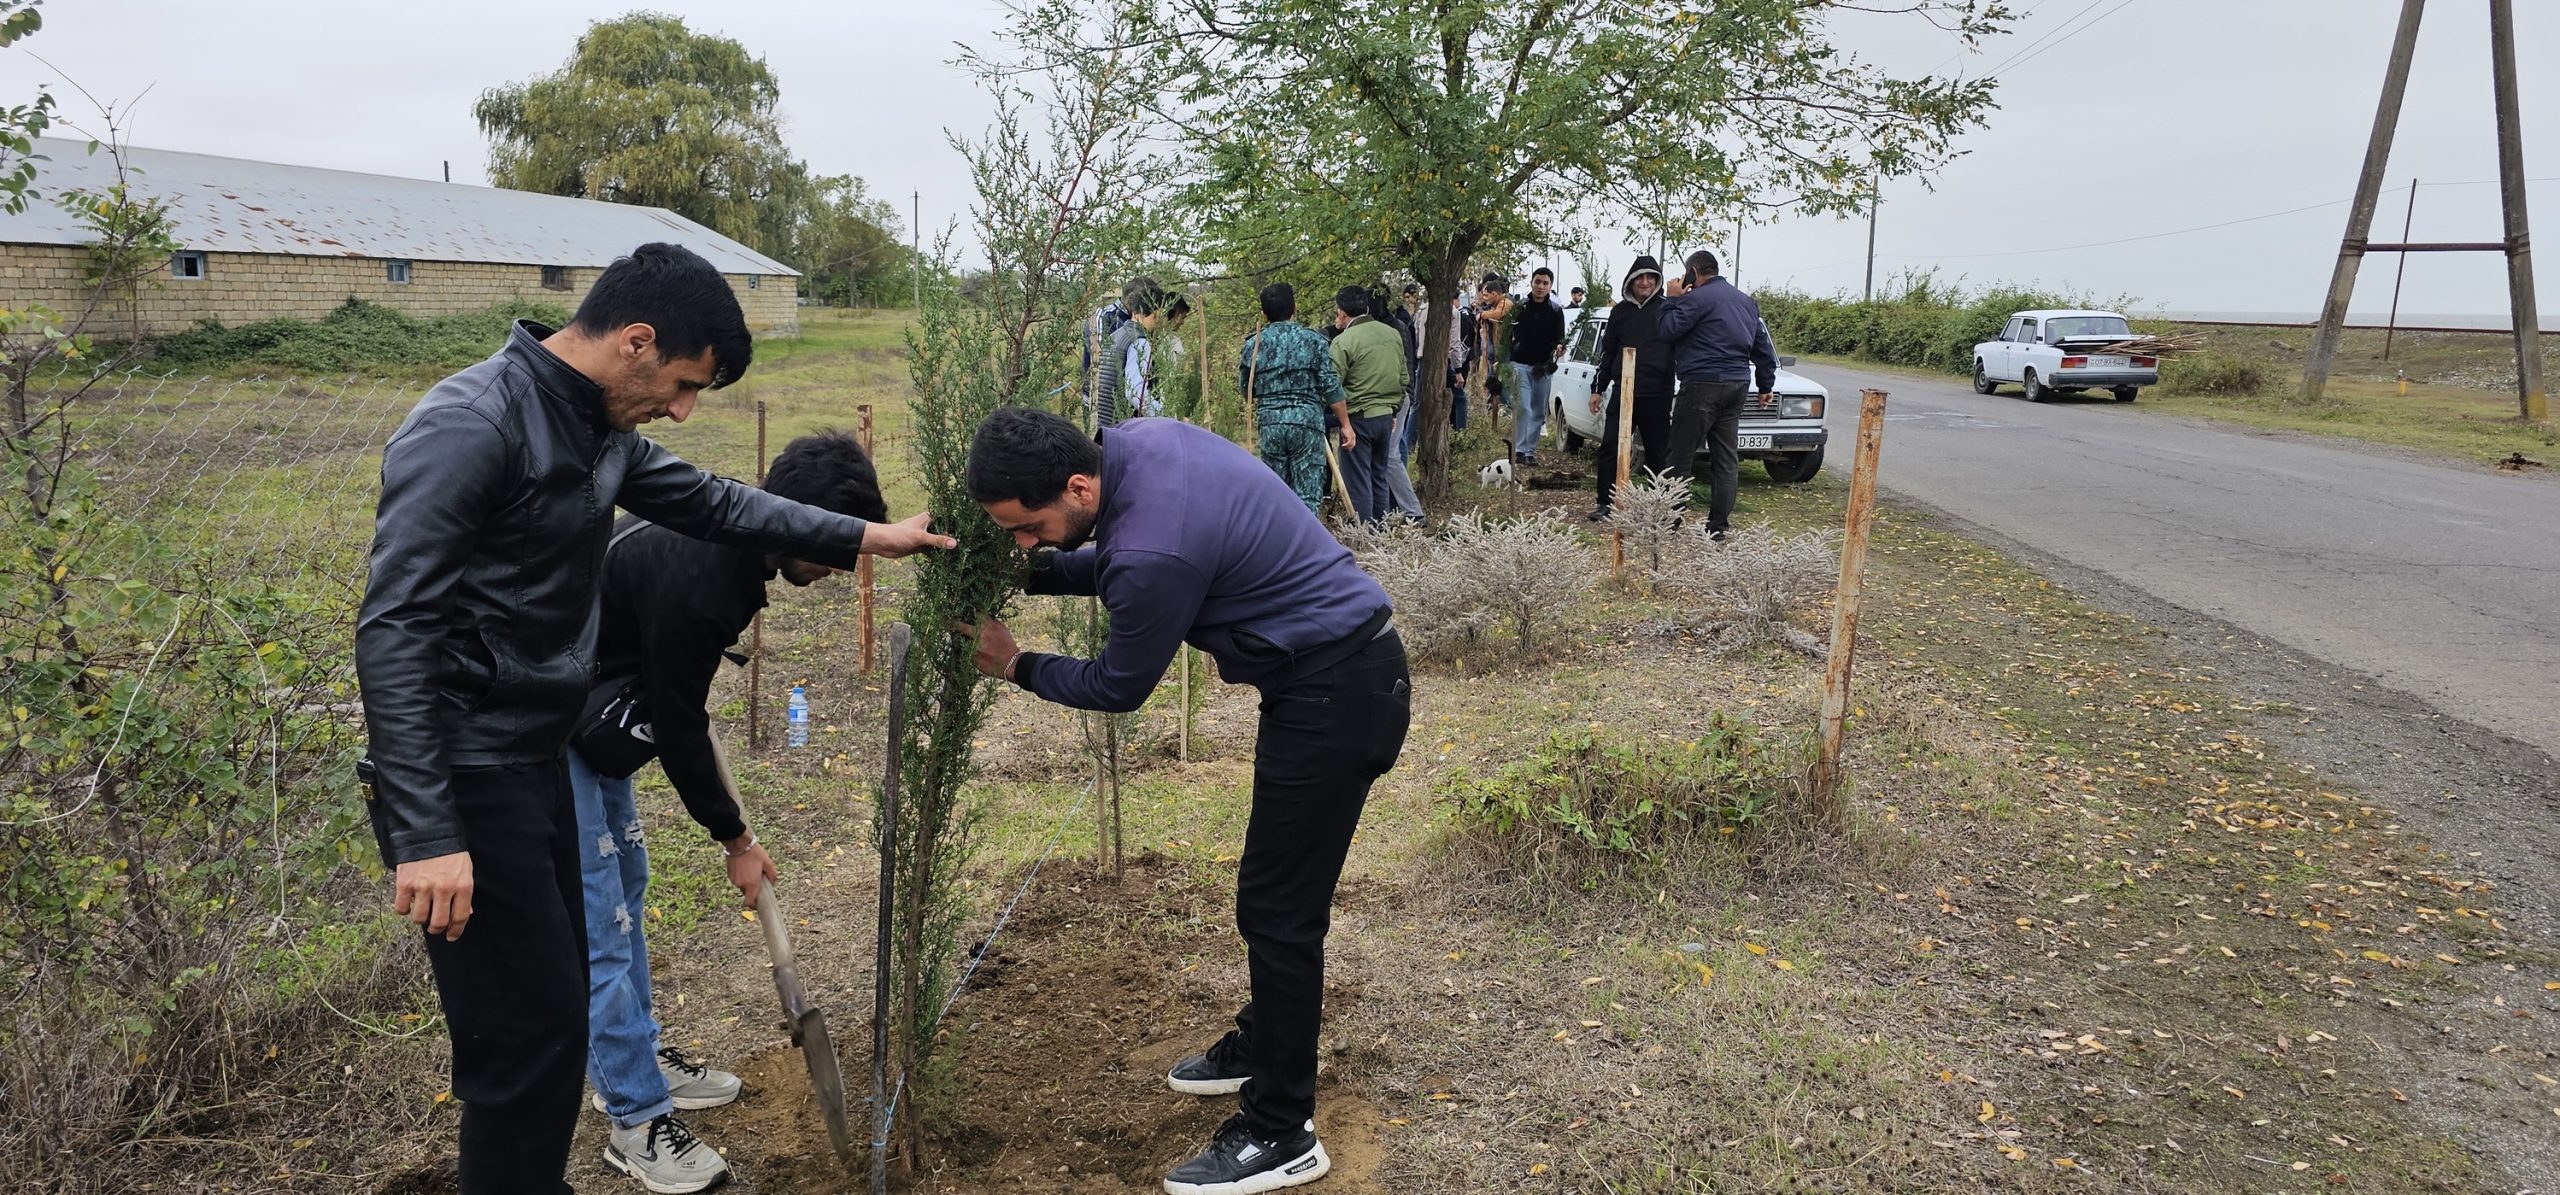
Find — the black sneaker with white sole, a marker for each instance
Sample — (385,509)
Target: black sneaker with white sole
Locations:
(1238,1162)
(1220,1071)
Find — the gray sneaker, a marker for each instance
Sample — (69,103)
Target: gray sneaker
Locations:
(692,1085)
(666,1157)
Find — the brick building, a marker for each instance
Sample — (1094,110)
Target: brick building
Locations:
(261,240)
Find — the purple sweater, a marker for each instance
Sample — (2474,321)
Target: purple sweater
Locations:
(1197,541)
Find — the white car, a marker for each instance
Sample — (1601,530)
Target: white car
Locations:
(2050,353)
(1786,437)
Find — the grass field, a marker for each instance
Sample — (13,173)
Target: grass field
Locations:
(2089,927)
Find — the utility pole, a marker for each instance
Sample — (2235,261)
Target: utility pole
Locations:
(2516,244)
(1737,254)
(915,243)
(2531,401)
(448,170)
(1875,199)
(2377,156)
(2391,323)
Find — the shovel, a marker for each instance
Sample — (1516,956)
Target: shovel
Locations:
(808,1025)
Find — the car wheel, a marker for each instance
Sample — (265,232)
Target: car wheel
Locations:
(2035,389)
(1794,468)
(2127,393)
(1982,383)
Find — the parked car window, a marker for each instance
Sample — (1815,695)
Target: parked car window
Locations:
(2026,330)
(1586,342)
(2064,326)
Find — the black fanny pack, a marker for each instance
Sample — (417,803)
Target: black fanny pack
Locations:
(613,733)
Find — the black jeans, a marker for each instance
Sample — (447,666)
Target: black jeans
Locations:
(1325,738)
(1364,467)
(1710,410)
(1653,433)
(515,985)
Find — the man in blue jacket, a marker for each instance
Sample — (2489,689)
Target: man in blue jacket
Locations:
(1186,538)
(1718,347)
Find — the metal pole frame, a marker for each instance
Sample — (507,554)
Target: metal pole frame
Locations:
(2351,249)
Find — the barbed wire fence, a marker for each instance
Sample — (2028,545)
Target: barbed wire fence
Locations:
(180,837)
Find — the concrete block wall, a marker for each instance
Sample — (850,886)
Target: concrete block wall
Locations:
(242,288)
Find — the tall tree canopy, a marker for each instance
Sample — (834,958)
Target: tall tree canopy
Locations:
(1423,134)
(649,112)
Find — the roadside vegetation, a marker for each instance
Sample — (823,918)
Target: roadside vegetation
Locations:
(2460,401)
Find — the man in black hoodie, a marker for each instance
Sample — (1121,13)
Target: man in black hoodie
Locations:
(1631,325)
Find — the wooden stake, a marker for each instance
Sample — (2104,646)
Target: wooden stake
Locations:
(1825,792)
(755,640)
(1341,484)
(862,578)
(1626,452)
(1252,374)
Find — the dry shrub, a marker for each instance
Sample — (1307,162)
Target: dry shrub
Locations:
(1647,513)
(1478,572)
(1749,585)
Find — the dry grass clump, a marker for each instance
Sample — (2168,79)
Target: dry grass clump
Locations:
(1477,573)
(1748,586)
(1647,514)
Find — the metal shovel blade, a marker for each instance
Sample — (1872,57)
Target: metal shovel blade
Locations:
(825,1077)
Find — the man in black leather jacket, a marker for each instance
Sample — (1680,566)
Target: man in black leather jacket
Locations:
(475,648)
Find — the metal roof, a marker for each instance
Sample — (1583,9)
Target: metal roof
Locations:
(232,205)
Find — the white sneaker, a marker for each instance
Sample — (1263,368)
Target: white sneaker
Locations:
(666,1157)
(690,1084)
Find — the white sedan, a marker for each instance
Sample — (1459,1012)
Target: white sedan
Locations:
(1786,437)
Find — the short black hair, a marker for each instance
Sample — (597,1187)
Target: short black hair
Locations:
(1702,264)
(1279,301)
(1143,297)
(1027,455)
(1577,290)
(1494,282)
(1411,289)
(1542,272)
(830,471)
(673,290)
(1351,300)
(1180,307)
(1143,282)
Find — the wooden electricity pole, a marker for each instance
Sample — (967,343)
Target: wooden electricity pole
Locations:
(2531,401)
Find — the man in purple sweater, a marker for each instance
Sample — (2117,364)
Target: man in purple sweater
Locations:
(1185,537)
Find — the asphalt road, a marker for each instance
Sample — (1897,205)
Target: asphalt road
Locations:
(2441,581)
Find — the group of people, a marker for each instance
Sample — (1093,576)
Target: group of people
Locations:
(522,654)
(1700,350)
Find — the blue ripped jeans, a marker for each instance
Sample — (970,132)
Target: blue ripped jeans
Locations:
(622,1032)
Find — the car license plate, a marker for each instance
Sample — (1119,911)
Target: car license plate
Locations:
(2108,362)
(1751,441)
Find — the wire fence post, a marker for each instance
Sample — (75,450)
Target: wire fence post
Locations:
(1825,787)
(1625,448)
(863,581)
(755,639)
(882,1110)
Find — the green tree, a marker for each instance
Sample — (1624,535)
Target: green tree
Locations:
(853,247)
(20,124)
(1421,135)
(649,112)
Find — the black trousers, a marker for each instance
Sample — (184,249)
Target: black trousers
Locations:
(1653,433)
(514,986)
(1325,738)
(1710,410)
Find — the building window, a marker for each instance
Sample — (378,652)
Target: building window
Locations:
(555,277)
(754,280)
(395,271)
(186,265)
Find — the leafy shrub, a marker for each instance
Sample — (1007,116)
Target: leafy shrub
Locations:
(1598,798)
(1925,325)
(358,336)
(2213,372)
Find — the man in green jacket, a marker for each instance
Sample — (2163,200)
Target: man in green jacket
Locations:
(1369,357)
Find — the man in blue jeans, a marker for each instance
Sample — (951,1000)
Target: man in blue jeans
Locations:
(1537,342)
(671,606)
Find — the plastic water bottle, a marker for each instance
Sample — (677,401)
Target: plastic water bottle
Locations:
(797,716)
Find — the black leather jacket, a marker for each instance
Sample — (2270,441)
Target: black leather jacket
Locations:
(476,642)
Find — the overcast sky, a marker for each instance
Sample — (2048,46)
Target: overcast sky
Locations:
(2133,118)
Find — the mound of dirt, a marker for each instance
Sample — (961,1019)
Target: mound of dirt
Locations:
(1096,988)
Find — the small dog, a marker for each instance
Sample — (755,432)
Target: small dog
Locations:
(1496,474)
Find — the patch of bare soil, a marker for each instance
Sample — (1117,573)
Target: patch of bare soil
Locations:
(1095,989)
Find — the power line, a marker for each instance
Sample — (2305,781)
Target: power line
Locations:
(2022,61)
(2014,55)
